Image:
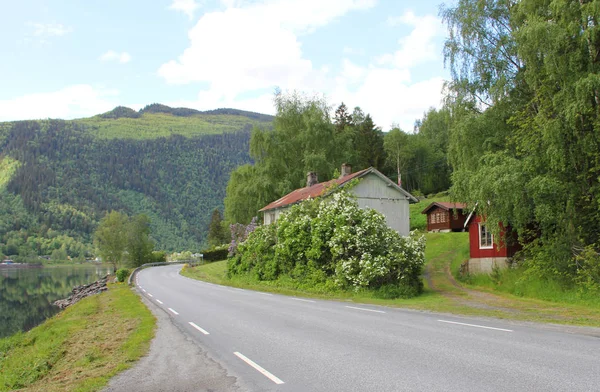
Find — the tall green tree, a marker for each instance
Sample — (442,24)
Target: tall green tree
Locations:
(525,135)
(139,245)
(342,118)
(303,139)
(217,232)
(111,238)
(369,144)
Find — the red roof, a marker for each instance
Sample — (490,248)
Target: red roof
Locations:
(445,205)
(310,191)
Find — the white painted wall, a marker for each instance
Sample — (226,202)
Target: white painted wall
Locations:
(374,193)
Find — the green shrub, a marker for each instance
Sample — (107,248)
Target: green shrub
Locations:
(122,274)
(158,257)
(216,254)
(392,291)
(333,242)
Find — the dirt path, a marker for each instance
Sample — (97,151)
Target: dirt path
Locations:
(440,279)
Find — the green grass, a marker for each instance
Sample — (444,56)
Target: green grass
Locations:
(418,221)
(519,283)
(155,125)
(81,348)
(216,272)
(443,250)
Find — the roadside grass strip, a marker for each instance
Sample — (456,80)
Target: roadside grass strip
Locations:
(198,328)
(365,309)
(264,372)
(80,348)
(476,326)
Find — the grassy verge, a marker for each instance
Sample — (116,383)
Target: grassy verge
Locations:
(216,273)
(81,348)
(444,254)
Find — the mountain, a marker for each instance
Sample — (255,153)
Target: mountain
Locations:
(58,178)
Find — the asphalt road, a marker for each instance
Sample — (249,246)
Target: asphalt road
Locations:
(278,343)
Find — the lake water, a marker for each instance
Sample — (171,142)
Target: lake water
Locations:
(26,294)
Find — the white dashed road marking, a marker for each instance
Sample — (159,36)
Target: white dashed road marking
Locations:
(265,373)
(476,326)
(174,312)
(365,309)
(159,301)
(199,329)
(302,299)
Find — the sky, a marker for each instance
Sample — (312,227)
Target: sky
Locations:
(71,58)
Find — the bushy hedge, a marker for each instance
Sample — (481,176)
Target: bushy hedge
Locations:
(216,254)
(333,242)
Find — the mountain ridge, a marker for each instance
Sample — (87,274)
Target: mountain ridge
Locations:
(59,177)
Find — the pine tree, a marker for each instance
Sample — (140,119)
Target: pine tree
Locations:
(216,231)
(369,144)
(342,118)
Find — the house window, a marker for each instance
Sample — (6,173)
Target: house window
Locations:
(486,239)
(272,217)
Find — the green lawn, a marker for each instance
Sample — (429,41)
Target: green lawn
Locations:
(81,348)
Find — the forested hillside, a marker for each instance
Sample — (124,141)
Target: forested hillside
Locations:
(58,178)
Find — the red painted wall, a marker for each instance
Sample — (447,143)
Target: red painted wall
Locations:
(496,251)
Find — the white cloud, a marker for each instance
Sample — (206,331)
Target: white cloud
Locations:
(419,45)
(111,55)
(70,102)
(254,47)
(188,7)
(390,98)
(50,29)
(245,50)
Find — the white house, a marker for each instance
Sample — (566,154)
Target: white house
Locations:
(374,190)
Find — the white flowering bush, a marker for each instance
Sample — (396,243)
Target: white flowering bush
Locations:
(332,241)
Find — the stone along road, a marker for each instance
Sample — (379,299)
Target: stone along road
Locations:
(278,343)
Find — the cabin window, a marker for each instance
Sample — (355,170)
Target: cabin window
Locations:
(486,239)
(272,217)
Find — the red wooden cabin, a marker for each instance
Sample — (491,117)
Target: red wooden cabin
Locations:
(485,253)
(444,216)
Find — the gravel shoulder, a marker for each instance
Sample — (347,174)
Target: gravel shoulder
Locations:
(175,362)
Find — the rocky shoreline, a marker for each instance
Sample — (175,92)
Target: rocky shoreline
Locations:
(80,292)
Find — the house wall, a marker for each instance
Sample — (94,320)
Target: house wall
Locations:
(272,215)
(457,221)
(374,193)
(433,224)
(475,251)
(484,260)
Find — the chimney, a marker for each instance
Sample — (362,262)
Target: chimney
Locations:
(311,179)
(346,170)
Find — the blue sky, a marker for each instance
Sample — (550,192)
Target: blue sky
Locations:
(70,59)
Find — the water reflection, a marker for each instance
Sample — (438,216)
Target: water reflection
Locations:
(26,295)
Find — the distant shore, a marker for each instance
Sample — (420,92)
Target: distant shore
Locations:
(21,265)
